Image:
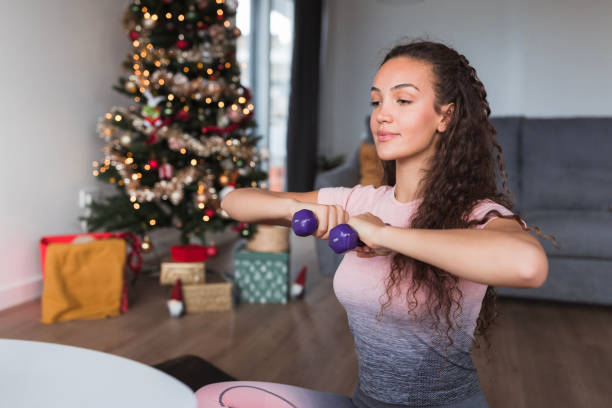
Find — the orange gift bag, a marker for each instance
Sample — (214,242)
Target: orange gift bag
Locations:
(83,280)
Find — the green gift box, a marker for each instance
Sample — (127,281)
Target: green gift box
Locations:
(261,277)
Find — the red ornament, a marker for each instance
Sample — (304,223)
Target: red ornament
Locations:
(239,227)
(134,35)
(209,212)
(228,129)
(220,67)
(182,44)
(182,115)
(166,171)
(211,251)
(153,163)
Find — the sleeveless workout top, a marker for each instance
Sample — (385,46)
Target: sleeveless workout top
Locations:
(400,361)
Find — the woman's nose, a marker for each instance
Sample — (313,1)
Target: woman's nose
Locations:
(382,115)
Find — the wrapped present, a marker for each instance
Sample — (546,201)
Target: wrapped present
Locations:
(133,261)
(188,253)
(213,296)
(83,280)
(261,277)
(269,238)
(187,272)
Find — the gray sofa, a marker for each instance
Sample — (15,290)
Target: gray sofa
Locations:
(560,171)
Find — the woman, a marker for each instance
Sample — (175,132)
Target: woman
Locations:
(423,286)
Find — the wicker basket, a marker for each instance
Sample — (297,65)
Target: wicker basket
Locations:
(187,272)
(208,297)
(269,238)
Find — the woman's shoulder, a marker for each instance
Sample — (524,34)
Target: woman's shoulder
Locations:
(484,205)
(358,196)
(370,191)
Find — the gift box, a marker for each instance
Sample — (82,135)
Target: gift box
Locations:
(188,253)
(269,238)
(186,272)
(261,277)
(213,296)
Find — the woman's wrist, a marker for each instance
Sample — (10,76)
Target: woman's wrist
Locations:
(292,207)
(381,236)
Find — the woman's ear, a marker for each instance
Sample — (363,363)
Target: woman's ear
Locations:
(447,115)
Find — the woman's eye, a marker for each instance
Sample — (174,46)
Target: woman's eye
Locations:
(374,103)
(403,101)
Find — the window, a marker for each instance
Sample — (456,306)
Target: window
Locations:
(264,52)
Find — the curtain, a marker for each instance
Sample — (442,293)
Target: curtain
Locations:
(302,126)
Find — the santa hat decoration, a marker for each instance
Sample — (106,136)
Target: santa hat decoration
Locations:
(175,304)
(297,289)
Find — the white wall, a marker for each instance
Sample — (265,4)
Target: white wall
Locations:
(538,58)
(59,61)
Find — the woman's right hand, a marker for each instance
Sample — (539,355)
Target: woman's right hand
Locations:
(328,216)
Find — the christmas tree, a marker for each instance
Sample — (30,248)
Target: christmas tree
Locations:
(189,137)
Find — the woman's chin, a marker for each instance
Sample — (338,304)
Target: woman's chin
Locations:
(386,156)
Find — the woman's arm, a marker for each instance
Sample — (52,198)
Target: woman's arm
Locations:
(254,205)
(497,255)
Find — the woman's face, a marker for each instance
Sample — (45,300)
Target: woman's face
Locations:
(403,121)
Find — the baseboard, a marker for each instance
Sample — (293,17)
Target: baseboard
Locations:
(21,292)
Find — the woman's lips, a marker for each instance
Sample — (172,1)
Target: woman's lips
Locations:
(384,136)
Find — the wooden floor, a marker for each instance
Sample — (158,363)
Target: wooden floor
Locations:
(544,354)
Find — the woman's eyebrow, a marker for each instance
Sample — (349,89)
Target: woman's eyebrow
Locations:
(374,89)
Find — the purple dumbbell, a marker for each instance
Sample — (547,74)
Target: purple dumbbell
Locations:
(343,238)
(304,223)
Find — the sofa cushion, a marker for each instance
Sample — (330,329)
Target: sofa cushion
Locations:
(580,233)
(508,138)
(567,164)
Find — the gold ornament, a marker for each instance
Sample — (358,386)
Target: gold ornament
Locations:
(146,245)
(126,139)
(130,87)
(223,180)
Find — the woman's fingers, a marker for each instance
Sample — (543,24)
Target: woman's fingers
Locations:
(322,219)
(332,215)
(328,217)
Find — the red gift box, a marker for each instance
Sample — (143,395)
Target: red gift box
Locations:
(188,253)
(66,239)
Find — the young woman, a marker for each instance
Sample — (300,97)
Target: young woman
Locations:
(423,286)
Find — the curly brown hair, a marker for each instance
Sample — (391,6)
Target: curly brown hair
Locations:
(461,173)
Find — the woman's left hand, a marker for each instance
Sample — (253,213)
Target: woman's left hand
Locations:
(368,226)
